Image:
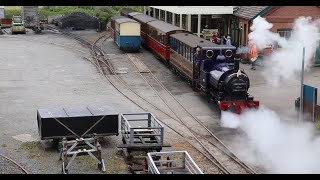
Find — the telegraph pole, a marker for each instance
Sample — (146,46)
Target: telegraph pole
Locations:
(301,91)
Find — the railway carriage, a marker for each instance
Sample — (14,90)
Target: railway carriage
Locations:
(126,11)
(183,47)
(131,14)
(143,20)
(158,37)
(113,26)
(127,34)
(210,67)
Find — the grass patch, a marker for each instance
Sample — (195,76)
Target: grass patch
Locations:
(90,161)
(115,165)
(30,145)
(37,154)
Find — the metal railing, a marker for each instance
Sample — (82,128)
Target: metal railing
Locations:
(172,162)
(141,125)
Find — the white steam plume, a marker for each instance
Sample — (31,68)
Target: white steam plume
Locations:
(285,62)
(278,146)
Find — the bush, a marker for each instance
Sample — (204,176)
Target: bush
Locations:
(12,11)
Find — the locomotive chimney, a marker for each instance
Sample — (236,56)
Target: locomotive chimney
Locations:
(236,62)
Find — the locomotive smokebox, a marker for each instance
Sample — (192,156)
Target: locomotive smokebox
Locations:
(236,62)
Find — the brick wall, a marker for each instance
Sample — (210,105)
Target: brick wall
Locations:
(284,16)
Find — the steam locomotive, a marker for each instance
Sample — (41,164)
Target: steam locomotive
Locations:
(211,68)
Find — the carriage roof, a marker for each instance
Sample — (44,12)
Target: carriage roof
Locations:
(125,20)
(194,41)
(164,27)
(134,13)
(144,18)
(117,17)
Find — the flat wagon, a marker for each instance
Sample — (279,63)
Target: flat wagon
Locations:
(172,162)
(78,129)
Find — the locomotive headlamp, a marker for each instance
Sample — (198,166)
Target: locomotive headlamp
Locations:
(228,53)
(209,53)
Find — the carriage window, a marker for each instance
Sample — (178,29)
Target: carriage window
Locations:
(187,54)
(176,45)
(191,54)
(182,48)
(186,51)
(171,42)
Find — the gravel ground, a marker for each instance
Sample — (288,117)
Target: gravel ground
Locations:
(8,167)
(49,70)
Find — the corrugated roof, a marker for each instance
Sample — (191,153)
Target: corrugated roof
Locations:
(164,27)
(124,20)
(194,41)
(209,10)
(144,18)
(249,12)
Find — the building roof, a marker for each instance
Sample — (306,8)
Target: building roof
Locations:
(1,7)
(251,12)
(125,20)
(194,41)
(210,10)
(144,18)
(163,26)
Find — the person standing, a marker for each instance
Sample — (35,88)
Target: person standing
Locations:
(228,41)
(253,56)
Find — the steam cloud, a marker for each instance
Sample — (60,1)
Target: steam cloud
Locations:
(285,63)
(280,147)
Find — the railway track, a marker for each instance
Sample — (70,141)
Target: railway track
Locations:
(182,113)
(14,163)
(208,145)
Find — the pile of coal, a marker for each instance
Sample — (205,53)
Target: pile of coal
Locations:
(79,21)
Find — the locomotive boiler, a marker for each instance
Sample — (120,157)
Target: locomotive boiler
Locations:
(227,85)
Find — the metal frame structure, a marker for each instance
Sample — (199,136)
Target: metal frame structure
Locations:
(141,131)
(173,162)
(131,131)
(79,129)
(78,147)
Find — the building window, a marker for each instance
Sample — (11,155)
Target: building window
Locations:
(284,32)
